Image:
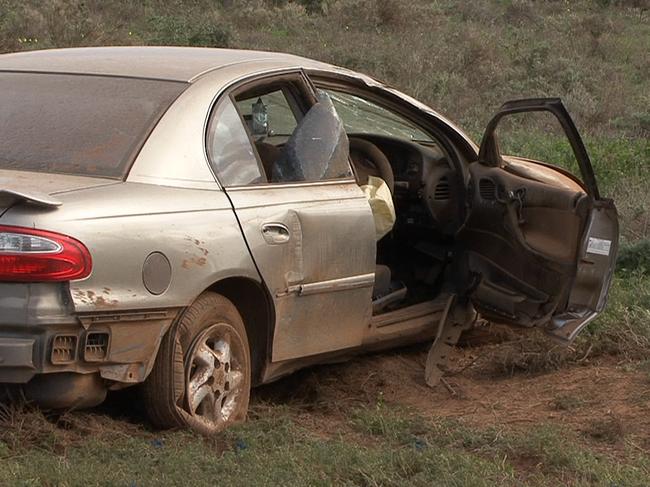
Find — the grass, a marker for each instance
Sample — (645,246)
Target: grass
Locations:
(379,445)
(463,58)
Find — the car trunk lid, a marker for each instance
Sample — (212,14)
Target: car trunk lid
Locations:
(41,188)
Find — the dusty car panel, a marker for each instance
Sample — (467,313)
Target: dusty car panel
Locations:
(124,223)
(321,288)
(115,300)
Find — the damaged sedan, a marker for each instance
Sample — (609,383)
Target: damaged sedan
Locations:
(200,221)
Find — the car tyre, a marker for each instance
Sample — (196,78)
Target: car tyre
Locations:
(202,374)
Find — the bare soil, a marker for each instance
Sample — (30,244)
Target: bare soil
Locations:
(604,401)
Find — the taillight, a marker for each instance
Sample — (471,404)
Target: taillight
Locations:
(29,255)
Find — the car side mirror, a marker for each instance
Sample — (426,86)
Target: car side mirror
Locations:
(490,154)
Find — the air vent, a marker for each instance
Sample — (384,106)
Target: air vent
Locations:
(487,189)
(442,190)
(64,349)
(96,348)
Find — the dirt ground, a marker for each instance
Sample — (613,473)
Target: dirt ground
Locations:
(604,401)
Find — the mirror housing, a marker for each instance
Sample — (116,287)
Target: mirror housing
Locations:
(490,154)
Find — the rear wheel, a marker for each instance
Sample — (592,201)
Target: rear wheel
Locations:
(201,378)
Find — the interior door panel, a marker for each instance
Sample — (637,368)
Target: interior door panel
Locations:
(520,232)
(540,247)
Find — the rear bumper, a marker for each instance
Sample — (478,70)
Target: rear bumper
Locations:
(41,334)
(17,359)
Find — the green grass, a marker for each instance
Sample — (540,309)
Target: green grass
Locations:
(381,445)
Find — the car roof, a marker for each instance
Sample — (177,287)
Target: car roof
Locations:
(165,63)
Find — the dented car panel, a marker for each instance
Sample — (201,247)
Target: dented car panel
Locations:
(294,249)
(315,248)
(195,230)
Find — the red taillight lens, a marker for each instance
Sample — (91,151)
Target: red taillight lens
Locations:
(29,255)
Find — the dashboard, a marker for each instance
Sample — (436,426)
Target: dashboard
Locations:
(425,185)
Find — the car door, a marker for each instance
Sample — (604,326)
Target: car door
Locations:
(306,222)
(539,245)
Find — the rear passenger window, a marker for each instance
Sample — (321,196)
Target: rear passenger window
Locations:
(268,116)
(229,149)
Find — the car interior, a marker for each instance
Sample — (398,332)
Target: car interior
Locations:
(413,257)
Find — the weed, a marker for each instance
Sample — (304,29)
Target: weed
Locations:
(608,429)
(389,422)
(567,402)
(180,31)
(635,258)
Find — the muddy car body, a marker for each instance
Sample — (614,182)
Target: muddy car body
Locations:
(208,204)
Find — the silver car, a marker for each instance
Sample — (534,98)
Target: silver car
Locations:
(192,220)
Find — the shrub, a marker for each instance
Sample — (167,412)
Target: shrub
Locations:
(181,31)
(635,257)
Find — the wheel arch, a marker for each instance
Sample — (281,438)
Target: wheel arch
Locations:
(254,303)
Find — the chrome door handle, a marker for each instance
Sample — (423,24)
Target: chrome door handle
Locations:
(275,233)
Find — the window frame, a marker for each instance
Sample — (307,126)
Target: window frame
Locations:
(303,100)
(443,131)
(460,150)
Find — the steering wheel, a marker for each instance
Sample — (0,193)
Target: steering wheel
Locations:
(369,160)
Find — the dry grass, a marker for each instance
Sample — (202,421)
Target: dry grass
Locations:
(462,57)
(24,428)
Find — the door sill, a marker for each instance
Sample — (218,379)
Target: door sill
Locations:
(422,318)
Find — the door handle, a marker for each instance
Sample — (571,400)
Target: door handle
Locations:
(275,233)
(517,199)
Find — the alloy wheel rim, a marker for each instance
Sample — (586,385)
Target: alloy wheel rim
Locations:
(214,375)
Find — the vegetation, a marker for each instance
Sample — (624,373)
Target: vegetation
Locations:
(376,445)
(464,59)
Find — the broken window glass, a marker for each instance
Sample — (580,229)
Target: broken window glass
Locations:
(362,116)
(317,150)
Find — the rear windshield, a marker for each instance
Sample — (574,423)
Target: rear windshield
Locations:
(81,125)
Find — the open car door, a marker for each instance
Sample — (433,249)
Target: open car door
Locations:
(540,245)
